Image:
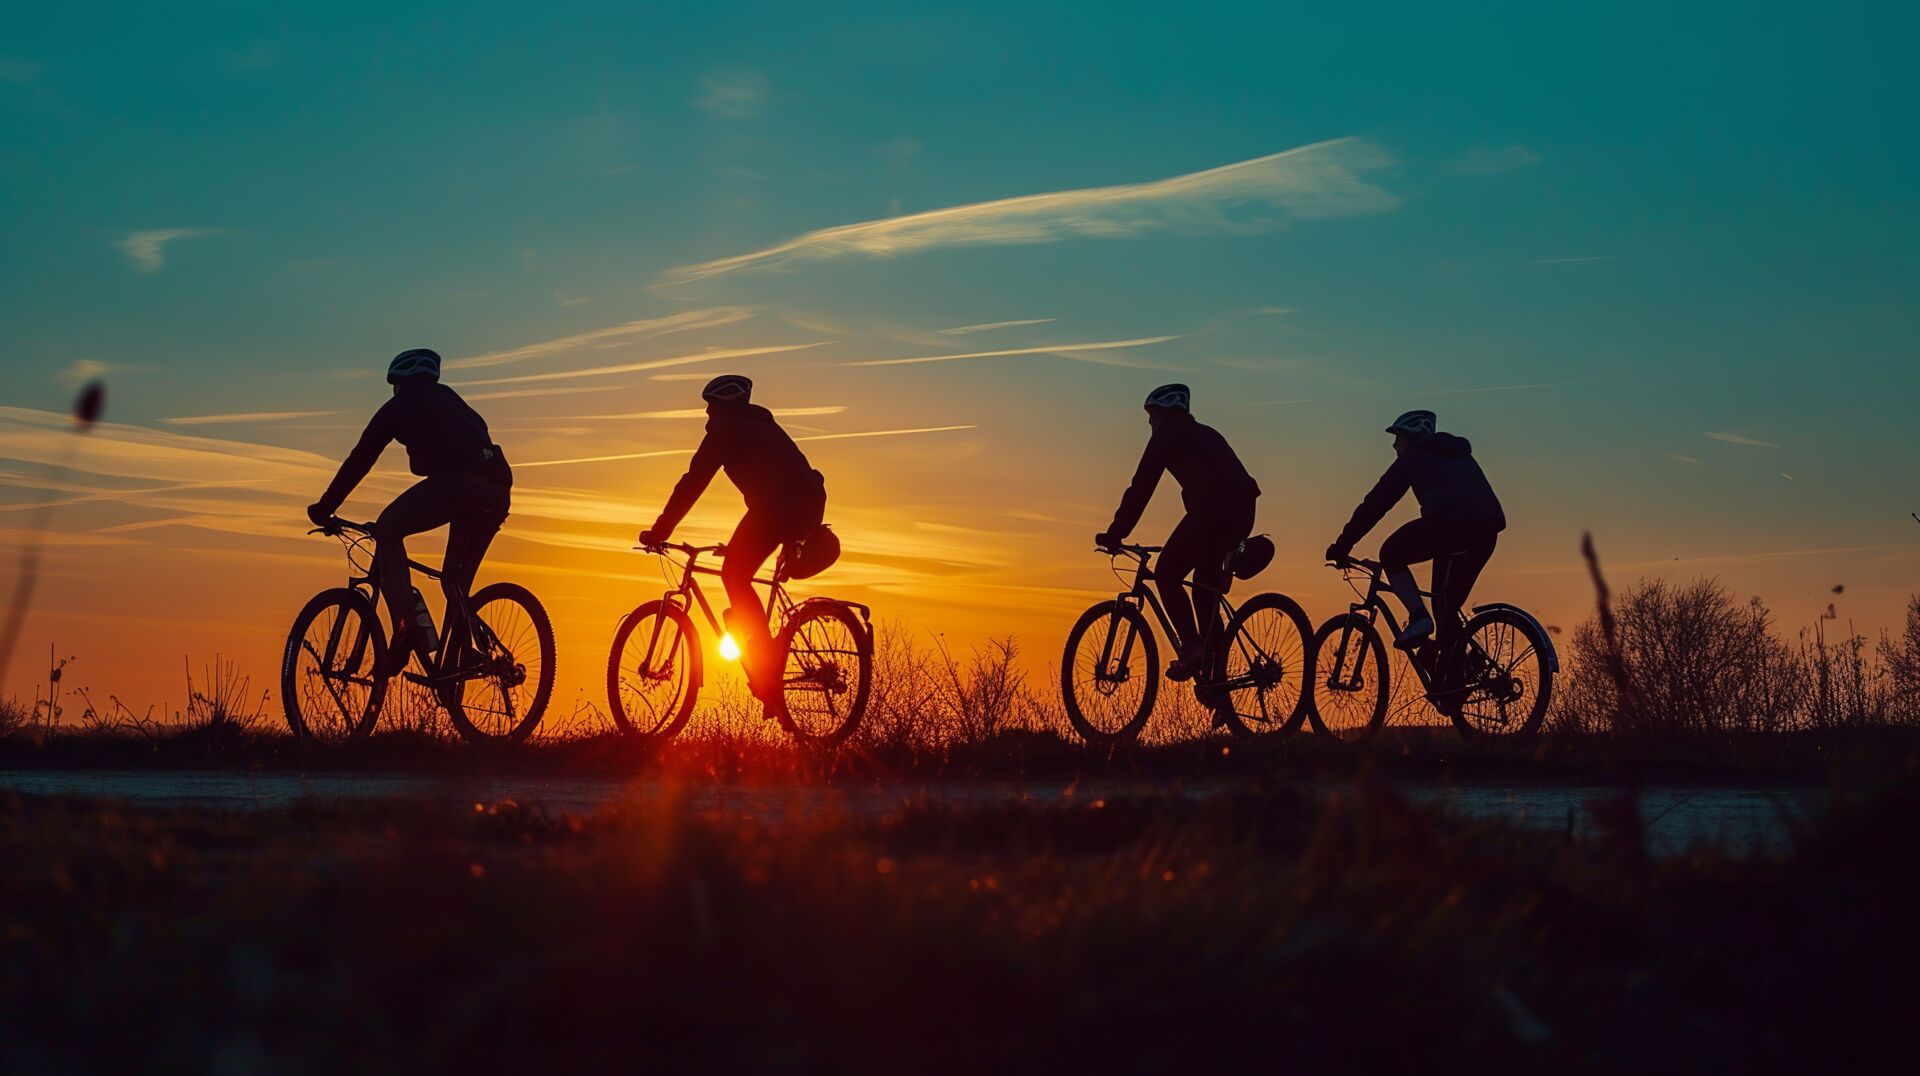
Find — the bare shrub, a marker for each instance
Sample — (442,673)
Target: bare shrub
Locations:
(224,700)
(1683,658)
(985,696)
(1900,657)
(14,716)
(902,710)
(1845,686)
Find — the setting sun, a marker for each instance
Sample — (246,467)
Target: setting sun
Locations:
(728,648)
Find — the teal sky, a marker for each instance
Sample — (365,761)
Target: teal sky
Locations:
(1659,265)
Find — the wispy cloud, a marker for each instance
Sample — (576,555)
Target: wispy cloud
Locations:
(1260,195)
(701,412)
(1737,439)
(1083,351)
(651,364)
(686,321)
(244,418)
(1575,261)
(147,249)
(1534,385)
(688,451)
(733,94)
(1686,459)
(565,299)
(885,433)
(992,325)
(81,371)
(1487,161)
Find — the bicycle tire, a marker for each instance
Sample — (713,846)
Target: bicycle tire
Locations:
(1288,660)
(821,671)
(364,653)
(1112,612)
(460,700)
(1362,678)
(1467,720)
(673,710)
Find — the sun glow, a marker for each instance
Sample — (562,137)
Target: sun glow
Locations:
(728,648)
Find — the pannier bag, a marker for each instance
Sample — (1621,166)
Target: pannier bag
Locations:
(1252,557)
(816,552)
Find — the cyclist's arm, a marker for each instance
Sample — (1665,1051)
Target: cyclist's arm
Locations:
(1134,501)
(378,434)
(1380,500)
(705,464)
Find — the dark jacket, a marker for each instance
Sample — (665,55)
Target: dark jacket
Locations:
(1211,478)
(772,473)
(442,434)
(1444,477)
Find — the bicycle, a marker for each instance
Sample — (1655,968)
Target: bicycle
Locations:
(1497,673)
(1255,678)
(655,668)
(493,673)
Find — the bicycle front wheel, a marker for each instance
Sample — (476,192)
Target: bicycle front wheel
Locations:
(653,672)
(1350,684)
(328,685)
(507,695)
(1262,674)
(1508,676)
(1110,673)
(826,674)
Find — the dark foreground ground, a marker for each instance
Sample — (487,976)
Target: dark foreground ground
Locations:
(1268,929)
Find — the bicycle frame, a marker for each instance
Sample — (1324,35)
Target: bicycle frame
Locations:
(368,585)
(1375,607)
(1142,594)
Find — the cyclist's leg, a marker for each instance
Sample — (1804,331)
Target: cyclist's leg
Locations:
(1414,542)
(753,541)
(1182,554)
(424,506)
(1454,574)
(468,538)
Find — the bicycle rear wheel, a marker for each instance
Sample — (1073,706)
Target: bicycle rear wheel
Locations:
(1110,673)
(826,673)
(1350,684)
(508,695)
(328,686)
(1508,675)
(653,672)
(1262,672)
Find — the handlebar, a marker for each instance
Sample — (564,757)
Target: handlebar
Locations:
(680,547)
(1362,563)
(336,525)
(1141,551)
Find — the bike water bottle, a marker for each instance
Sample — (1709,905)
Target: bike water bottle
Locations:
(423,623)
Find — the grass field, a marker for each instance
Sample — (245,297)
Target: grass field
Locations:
(1272,929)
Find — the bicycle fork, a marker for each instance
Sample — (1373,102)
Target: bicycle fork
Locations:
(1106,651)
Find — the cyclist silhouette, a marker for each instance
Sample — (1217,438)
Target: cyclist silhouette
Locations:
(1460,518)
(1218,495)
(465,485)
(786,499)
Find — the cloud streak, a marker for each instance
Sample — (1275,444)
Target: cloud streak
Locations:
(147,249)
(963,330)
(244,418)
(1072,350)
(658,453)
(650,364)
(686,321)
(1736,439)
(1249,197)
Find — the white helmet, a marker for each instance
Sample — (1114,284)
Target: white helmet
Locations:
(414,362)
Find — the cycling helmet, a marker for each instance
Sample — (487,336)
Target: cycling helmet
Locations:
(414,362)
(1175,396)
(730,388)
(1413,424)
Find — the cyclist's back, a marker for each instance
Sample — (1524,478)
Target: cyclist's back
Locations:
(759,457)
(1440,471)
(441,432)
(1210,474)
